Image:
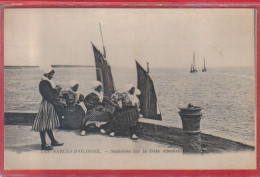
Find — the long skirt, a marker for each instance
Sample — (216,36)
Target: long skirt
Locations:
(47,118)
(73,118)
(102,116)
(124,119)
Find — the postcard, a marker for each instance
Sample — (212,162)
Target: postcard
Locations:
(129,88)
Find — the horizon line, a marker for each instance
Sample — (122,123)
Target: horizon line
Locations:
(60,66)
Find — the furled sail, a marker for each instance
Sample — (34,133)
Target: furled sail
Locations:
(204,67)
(103,71)
(193,69)
(148,100)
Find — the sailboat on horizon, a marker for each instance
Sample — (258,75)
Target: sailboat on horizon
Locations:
(204,67)
(193,68)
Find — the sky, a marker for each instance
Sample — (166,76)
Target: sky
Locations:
(162,37)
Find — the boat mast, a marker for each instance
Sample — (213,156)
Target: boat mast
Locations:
(193,60)
(204,64)
(147,67)
(104,54)
(102,40)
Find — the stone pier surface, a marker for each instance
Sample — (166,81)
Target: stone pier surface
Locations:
(22,143)
(151,130)
(23,139)
(96,151)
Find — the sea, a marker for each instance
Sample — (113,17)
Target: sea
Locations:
(227,95)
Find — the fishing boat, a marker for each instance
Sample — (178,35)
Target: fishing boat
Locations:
(193,68)
(148,100)
(204,67)
(103,70)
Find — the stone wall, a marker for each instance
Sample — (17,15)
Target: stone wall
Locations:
(152,130)
(156,131)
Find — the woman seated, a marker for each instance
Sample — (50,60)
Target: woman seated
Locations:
(99,113)
(126,114)
(75,109)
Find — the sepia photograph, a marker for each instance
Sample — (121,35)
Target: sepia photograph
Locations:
(129,88)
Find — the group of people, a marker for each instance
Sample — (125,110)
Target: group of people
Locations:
(69,109)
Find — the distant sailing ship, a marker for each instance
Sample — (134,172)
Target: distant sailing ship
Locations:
(193,68)
(103,70)
(148,100)
(204,67)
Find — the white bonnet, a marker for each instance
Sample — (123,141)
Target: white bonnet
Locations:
(137,92)
(72,83)
(95,84)
(128,87)
(47,70)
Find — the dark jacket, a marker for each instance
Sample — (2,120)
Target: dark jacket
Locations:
(91,102)
(48,93)
(70,97)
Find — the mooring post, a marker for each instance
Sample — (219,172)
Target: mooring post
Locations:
(191,133)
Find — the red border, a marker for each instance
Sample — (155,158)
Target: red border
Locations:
(128,4)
